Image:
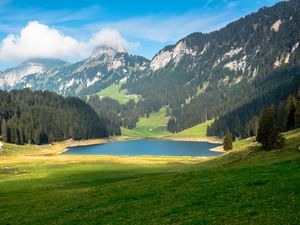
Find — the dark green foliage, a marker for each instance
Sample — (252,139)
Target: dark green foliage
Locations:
(116,114)
(281,113)
(267,133)
(297,111)
(297,115)
(108,109)
(40,117)
(4,131)
(171,126)
(291,108)
(228,142)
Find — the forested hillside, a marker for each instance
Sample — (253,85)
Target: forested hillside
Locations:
(205,76)
(41,117)
(243,122)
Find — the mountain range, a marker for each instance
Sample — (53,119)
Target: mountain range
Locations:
(203,76)
(105,66)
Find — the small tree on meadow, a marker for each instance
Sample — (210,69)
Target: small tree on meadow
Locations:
(228,142)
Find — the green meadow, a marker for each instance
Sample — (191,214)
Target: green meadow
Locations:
(152,126)
(196,131)
(244,186)
(113,91)
(155,126)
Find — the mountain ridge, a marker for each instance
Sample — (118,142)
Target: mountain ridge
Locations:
(105,66)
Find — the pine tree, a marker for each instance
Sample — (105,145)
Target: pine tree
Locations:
(228,142)
(171,125)
(5,134)
(281,117)
(297,115)
(297,111)
(37,136)
(291,109)
(267,133)
(266,128)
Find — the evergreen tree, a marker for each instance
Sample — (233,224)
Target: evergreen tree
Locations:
(266,128)
(5,135)
(291,109)
(37,137)
(297,112)
(228,142)
(171,125)
(297,115)
(267,133)
(281,117)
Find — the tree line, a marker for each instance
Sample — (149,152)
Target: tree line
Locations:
(115,114)
(40,117)
(273,120)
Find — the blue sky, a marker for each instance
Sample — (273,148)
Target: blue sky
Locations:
(143,27)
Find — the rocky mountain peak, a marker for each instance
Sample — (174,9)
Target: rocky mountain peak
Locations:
(106,52)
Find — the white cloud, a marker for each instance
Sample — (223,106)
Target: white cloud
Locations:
(39,40)
(113,37)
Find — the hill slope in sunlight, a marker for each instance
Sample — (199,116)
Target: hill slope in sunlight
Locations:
(245,186)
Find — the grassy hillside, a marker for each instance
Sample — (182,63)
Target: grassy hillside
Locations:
(196,131)
(245,186)
(153,126)
(114,92)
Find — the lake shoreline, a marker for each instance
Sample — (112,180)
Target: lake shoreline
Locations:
(90,142)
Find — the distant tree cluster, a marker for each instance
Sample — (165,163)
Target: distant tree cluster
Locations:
(115,114)
(40,117)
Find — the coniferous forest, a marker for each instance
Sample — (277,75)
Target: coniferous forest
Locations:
(40,117)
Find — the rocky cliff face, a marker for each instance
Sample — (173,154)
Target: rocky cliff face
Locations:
(104,67)
(12,77)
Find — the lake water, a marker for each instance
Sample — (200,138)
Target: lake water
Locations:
(147,147)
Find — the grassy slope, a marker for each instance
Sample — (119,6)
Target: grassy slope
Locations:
(114,92)
(196,131)
(153,126)
(244,186)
